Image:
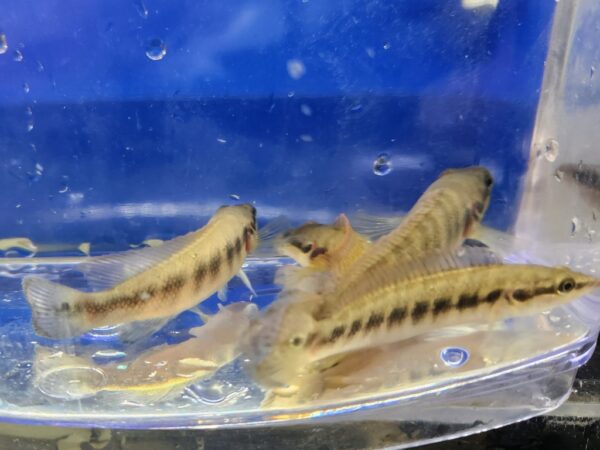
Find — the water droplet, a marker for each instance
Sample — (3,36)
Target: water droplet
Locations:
(29,111)
(306,110)
(551,150)
(222,141)
(30,125)
(156,49)
(382,165)
(17,56)
(141,8)
(575,226)
(386,45)
(63,187)
(39,66)
(296,69)
(454,356)
(306,138)
(26,88)
(234,196)
(3,44)
(291,94)
(370,52)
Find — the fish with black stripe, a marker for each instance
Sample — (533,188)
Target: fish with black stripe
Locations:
(399,302)
(150,284)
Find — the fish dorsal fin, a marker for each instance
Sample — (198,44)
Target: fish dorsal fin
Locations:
(445,261)
(268,233)
(375,226)
(103,272)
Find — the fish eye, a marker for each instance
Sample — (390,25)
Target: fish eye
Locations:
(296,341)
(566,285)
(307,248)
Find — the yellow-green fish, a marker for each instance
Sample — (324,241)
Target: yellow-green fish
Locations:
(150,283)
(399,302)
(155,373)
(447,212)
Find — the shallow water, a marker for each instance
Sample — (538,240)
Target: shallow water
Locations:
(416,367)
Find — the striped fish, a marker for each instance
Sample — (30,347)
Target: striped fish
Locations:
(147,284)
(447,212)
(401,302)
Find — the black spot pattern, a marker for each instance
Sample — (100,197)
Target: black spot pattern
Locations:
(397,316)
(467,301)
(419,311)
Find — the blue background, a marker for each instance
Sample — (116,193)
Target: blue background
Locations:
(122,148)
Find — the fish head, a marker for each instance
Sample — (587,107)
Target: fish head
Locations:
(311,241)
(553,286)
(475,185)
(276,352)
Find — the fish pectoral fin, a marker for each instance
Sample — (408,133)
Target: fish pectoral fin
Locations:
(103,272)
(134,332)
(242,276)
(222,293)
(205,317)
(267,236)
(374,227)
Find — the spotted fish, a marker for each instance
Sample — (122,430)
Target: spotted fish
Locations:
(147,284)
(399,302)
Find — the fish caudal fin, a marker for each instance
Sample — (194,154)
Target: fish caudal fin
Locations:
(52,308)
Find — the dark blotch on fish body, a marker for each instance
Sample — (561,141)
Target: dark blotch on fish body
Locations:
(375,321)
(441,305)
(522,295)
(200,273)
(548,290)
(230,250)
(173,286)
(355,328)
(419,311)
(467,301)
(337,333)
(493,296)
(238,245)
(318,251)
(397,316)
(215,265)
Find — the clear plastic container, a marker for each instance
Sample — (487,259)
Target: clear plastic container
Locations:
(122,125)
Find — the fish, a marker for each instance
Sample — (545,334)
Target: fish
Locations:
(448,212)
(400,302)
(585,176)
(156,373)
(324,253)
(150,284)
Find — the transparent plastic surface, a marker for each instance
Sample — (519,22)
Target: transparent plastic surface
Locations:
(304,110)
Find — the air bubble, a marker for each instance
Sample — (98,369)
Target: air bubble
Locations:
(17,56)
(551,148)
(141,9)
(382,165)
(454,356)
(26,88)
(62,188)
(305,109)
(30,125)
(296,69)
(386,45)
(291,94)
(156,49)
(3,44)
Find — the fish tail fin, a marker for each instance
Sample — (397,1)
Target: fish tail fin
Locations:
(52,308)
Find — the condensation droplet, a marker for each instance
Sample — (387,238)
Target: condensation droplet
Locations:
(222,141)
(305,109)
(291,94)
(3,44)
(296,69)
(386,45)
(382,165)
(575,225)
(30,125)
(370,52)
(26,88)
(17,56)
(234,196)
(141,9)
(156,49)
(29,111)
(306,138)
(63,187)
(551,150)
(454,356)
